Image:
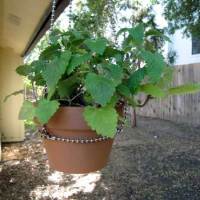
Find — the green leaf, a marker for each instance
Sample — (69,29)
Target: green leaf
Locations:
(13,94)
(55,36)
(124,90)
(77,34)
(97,46)
(100,88)
(54,70)
(114,100)
(45,110)
(114,73)
(27,111)
(50,52)
(102,120)
(39,80)
(38,66)
(167,77)
(122,31)
(127,44)
(135,79)
(185,89)
(152,90)
(137,34)
(24,70)
(66,87)
(115,53)
(111,52)
(132,102)
(77,60)
(154,65)
(157,33)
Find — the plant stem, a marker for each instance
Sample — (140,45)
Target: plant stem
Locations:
(149,97)
(81,92)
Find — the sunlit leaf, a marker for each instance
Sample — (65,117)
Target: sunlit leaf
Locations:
(100,88)
(97,46)
(102,120)
(27,111)
(45,110)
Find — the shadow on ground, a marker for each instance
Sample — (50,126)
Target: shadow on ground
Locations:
(158,160)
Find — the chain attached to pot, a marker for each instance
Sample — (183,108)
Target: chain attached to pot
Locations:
(53,11)
(70,14)
(48,136)
(44,133)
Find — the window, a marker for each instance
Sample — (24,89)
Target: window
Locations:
(195,45)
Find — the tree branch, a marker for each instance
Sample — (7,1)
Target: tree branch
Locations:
(148,98)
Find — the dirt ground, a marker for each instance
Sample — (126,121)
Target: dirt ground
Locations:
(158,160)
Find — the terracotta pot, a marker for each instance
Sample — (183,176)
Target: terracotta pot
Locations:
(72,157)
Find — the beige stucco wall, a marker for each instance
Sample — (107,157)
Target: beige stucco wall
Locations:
(11,128)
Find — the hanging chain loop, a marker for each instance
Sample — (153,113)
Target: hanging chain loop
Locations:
(111,8)
(46,135)
(70,14)
(53,10)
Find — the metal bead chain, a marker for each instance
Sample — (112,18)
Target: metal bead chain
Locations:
(112,20)
(70,14)
(46,135)
(53,10)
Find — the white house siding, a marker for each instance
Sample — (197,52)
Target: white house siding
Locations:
(183,48)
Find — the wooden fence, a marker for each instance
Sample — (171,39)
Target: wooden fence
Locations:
(183,109)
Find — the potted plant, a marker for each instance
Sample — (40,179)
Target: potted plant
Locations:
(86,82)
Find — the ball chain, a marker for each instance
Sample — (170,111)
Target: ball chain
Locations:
(46,135)
(70,14)
(111,7)
(43,131)
(53,10)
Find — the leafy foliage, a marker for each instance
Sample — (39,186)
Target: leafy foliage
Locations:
(81,69)
(67,86)
(101,88)
(27,111)
(96,46)
(135,79)
(154,65)
(45,109)
(77,60)
(24,70)
(152,90)
(183,15)
(184,89)
(124,90)
(138,34)
(103,120)
(114,73)
(54,70)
